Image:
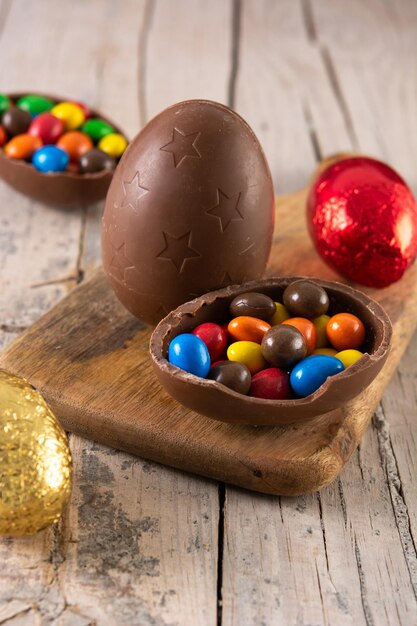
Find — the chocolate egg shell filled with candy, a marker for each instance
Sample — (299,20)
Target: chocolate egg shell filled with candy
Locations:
(190,209)
(217,401)
(58,189)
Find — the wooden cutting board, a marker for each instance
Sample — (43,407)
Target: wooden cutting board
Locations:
(89,358)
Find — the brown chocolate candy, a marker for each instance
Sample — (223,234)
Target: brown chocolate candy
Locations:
(96,160)
(233,375)
(16,121)
(189,210)
(283,346)
(254,305)
(305,298)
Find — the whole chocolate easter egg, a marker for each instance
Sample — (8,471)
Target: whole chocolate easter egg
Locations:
(190,209)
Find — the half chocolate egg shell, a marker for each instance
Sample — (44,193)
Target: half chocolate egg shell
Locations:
(218,402)
(58,189)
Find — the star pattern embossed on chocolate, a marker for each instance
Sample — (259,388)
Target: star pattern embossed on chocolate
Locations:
(182,146)
(178,250)
(226,280)
(226,209)
(119,263)
(132,192)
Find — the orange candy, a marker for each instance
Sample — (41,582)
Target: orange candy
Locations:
(345,331)
(75,144)
(307,329)
(22,146)
(245,328)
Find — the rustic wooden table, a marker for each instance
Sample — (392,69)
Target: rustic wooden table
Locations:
(142,544)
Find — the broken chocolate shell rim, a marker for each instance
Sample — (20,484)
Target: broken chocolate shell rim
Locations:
(25,165)
(167,325)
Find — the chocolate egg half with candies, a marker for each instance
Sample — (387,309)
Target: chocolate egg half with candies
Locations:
(329,385)
(38,121)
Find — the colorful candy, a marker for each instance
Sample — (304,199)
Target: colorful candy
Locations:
(271,384)
(345,331)
(85,109)
(113,144)
(97,129)
(249,353)
(349,357)
(16,121)
(34,104)
(215,338)
(75,144)
(233,375)
(284,360)
(328,351)
(281,314)
(245,328)
(22,146)
(70,114)
(304,298)
(47,127)
(306,328)
(3,136)
(50,159)
(283,346)
(66,126)
(95,161)
(4,103)
(253,305)
(320,324)
(310,373)
(189,353)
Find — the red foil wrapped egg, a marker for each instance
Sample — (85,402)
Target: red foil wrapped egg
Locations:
(362,218)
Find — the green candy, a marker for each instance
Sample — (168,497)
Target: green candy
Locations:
(35,104)
(4,103)
(97,129)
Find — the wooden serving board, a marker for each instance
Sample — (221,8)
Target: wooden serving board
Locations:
(89,358)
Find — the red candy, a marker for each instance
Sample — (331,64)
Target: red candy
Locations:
(271,384)
(3,136)
(215,338)
(47,127)
(85,109)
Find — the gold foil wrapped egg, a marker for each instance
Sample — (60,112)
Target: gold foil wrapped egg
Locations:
(35,461)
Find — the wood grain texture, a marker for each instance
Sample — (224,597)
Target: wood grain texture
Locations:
(351,583)
(333,76)
(90,360)
(162,544)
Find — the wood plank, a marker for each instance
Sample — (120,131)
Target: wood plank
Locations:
(376,88)
(188,53)
(170,527)
(312,566)
(85,355)
(146,531)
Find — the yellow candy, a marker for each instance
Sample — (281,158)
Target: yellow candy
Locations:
(70,114)
(320,323)
(348,357)
(249,353)
(113,144)
(328,351)
(281,314)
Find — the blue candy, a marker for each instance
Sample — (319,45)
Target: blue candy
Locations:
(190,354)
(310,373)
(50,159)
